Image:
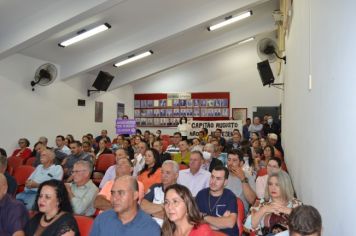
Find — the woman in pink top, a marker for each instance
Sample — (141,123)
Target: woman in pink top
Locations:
(182,217)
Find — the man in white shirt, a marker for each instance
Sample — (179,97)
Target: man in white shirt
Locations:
(195,178)
(139,161)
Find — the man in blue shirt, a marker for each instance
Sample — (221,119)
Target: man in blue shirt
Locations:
(126,218)
(217,204)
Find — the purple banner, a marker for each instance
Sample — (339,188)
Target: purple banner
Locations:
(125,126)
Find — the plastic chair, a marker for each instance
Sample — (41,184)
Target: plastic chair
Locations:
(240,216)
(165,144)
(21,174)
(104,162)
(30,161)
(14,162)
(84,224)
(262,172)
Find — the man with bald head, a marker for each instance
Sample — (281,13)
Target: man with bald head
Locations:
(13,214)
(125,217)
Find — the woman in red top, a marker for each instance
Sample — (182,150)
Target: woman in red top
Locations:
(151,172)
(24,152)
(182,217)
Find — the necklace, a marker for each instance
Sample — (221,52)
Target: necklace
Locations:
(217,201)
(50,219)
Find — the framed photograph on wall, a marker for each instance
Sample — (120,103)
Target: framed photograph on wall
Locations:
(239,114)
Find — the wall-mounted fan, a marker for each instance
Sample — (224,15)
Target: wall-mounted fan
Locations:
(45,75)
(267,50)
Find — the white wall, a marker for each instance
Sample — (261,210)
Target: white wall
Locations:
(318,125)
(232,70)
(51,110)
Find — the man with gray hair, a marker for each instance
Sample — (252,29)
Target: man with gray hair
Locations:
(11,182)
(45,171)
(153,202)
(82,191)
(125,217)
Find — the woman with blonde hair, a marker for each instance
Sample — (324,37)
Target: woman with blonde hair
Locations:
(182,216)
(271,215)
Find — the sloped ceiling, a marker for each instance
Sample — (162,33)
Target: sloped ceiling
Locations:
(175,30)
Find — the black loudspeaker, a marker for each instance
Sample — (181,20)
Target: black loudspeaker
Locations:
(81,102)
(265,72)
(103,81)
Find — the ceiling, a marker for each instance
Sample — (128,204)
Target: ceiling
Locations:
(175,30)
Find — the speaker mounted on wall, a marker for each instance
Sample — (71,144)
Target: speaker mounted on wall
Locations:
(102,82)
(265,71)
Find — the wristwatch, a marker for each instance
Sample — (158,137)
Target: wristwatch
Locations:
(245,180)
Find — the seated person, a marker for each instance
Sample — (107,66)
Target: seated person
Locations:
(45,171)
(102,148)
(13,215)
(194,178)
(11,181)
(110,173)
(77,155)
(151,172)
(173,148)
(271,214)
(152,204)
(182,215)
(305,220)
(123,167)
(126,218)
(239,182)
(139,160)
(273,166)
(159,147)
(183,156)
(23,151)
(210,159)
(218,204)
(82,191)
(54,215)
(103,135)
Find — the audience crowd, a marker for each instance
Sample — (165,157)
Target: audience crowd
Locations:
(154,184)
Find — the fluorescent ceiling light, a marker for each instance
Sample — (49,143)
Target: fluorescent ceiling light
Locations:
(246,40)
(85,34)
(133,58)
(230,20)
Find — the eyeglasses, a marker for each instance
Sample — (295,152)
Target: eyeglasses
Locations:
(174,203)
(77,171)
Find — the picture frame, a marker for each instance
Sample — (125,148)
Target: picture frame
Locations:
(239,114)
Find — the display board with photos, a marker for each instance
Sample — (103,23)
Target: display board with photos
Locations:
(166,109)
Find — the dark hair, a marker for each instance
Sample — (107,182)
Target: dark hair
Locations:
(177,133)
(248,152)
(222,168)
(259,151)
(193,213)
(78,143)
(71,138)
(248,119)
(271,148)
(61,192)
(3,152)
(157,162)
(160,131)
(219,130)
(237,152)
(245,143)
(305,220)
(276,159)
(90,136)
(61,137)
(257,134)
(26,141)
(138,131)
(185,118)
